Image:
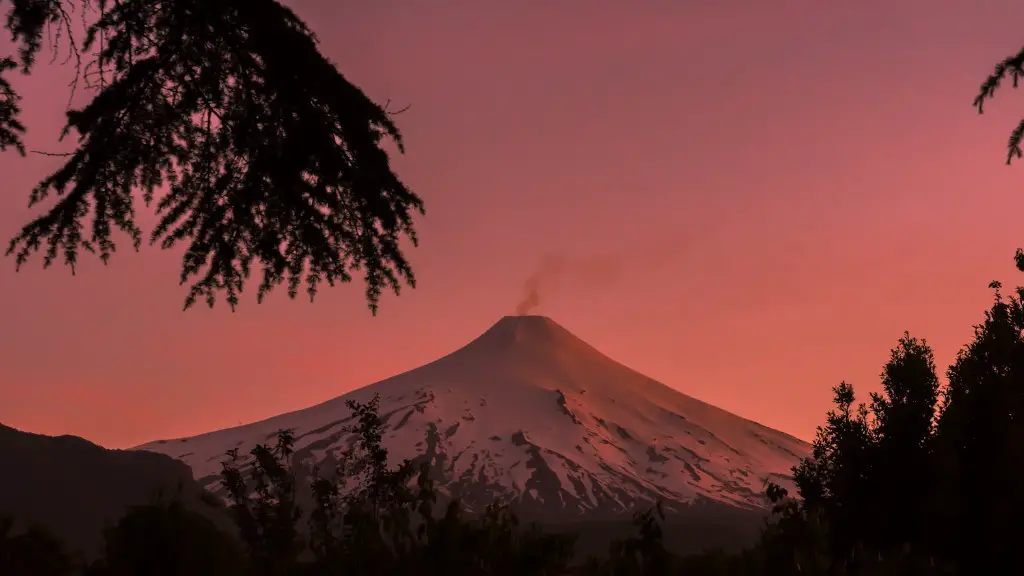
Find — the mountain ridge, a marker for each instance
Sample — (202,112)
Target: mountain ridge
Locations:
(74,488)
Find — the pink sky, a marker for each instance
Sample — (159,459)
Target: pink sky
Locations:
(759,198)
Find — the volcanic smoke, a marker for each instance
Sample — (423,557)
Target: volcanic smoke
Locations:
(550,268)
(590,273)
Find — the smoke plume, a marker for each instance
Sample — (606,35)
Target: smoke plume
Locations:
(578,275)
(550,269)
(575,275)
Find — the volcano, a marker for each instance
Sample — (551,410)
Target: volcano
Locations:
(530,414)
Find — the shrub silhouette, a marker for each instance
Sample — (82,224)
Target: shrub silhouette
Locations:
(165,539)
(369,518)
(33,552)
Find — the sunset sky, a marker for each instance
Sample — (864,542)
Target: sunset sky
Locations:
(753,201)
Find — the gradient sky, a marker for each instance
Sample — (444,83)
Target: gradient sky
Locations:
(754,201)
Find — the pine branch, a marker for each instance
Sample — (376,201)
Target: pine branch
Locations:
(1012,67)
(254,149)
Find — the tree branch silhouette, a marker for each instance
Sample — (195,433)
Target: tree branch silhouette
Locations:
(254,150)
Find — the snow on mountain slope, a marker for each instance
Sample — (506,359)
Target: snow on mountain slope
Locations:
(531,413)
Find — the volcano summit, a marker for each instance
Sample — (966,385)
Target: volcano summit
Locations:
(531,414)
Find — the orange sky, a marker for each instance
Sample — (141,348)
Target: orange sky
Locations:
(755,199)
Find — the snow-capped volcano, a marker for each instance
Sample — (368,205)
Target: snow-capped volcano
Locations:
(530,413)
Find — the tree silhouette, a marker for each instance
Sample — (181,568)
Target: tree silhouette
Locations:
(902,469)
(33,552)
(979,431)
(868,490)
(834,482)
(924,481)
(226,118)
(165,539)
(643,554)
(264,507)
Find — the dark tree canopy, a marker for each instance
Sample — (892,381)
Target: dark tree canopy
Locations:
(224,115)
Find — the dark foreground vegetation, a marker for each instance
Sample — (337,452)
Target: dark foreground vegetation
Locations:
(921,479)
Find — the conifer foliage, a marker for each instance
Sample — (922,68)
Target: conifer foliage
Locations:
(222,115)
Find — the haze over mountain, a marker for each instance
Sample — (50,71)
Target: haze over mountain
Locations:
(531,414)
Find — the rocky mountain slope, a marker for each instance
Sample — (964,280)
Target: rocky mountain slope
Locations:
(529,413)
